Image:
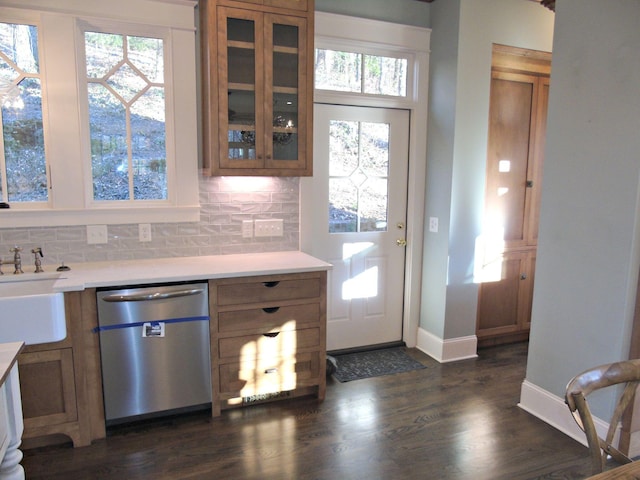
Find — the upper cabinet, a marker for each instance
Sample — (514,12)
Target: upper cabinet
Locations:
(257,69)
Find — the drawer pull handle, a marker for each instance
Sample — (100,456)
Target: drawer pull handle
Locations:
(271,370)
(270,284)
(270,309)
(271,335)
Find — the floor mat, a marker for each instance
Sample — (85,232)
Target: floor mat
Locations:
(373,363)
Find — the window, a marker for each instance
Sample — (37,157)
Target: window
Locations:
(99,117)
(358,176)
(360,73)
(23,171)
(126,96)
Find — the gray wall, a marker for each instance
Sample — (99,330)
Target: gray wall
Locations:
(463,34)
(589,243)
(406,12)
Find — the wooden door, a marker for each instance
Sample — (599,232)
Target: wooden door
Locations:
(515,157)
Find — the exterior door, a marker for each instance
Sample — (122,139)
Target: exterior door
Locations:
(359,214)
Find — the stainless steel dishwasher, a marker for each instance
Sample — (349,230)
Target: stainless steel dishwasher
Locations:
(154,348)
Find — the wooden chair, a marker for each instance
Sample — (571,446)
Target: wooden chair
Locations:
(626,372)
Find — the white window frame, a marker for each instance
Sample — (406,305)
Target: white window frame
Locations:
(65,110)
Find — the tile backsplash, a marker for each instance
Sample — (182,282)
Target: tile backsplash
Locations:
(224,203)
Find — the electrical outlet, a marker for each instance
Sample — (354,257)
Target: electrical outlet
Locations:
(433,224)
(269,228)
(144,232)
(97,234)
(247,229)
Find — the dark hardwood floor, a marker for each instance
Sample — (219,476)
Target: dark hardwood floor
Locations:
(450,421)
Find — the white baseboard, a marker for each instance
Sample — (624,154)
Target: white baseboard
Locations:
(552,410)
(449,350)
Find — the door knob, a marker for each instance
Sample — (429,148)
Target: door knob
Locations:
(401,242)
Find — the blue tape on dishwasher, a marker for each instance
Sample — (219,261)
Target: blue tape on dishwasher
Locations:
(139,324)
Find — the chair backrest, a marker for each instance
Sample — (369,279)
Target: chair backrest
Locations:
(619,373)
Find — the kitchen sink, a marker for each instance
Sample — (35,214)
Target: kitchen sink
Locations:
(31,310)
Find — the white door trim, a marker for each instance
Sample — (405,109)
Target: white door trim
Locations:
(388,37)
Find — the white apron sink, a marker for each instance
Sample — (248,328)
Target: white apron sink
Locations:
(30,310)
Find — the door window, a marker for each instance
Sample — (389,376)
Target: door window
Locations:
(358,176)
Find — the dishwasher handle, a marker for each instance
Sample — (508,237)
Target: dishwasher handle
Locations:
(146,297)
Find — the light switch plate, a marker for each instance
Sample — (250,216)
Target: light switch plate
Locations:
(433,224)
(269,228)
(97,234)
(144,232)
(247,229)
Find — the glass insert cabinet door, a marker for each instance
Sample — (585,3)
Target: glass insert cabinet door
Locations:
(262,89)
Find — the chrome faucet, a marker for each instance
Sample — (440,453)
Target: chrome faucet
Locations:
(38,255)
(17,261)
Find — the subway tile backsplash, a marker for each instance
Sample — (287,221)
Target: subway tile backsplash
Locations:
(225,203)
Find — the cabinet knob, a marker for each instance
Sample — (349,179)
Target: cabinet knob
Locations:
(523,276)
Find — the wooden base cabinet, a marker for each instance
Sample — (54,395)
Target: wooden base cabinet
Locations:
(268,338)
(504,303)
(56,381)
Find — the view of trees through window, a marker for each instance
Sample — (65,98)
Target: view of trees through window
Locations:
(126,99)
(358,176)
(359,151)
(360,73)
(23,174)
(126,93)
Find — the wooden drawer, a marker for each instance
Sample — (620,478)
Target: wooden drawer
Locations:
(242,379)
(268,319)
(268,291)
(272,345)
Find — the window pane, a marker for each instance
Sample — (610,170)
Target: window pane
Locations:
(22,126)
(385,75)
(148,147)
(103,52)
(127,116)
(358,176)
(340,71)
(109,152)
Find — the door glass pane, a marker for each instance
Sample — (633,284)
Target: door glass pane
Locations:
(285,92)
(241,95)
(358,176)
(242,124)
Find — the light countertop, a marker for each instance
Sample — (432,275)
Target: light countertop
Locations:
(8,355)
(178,269)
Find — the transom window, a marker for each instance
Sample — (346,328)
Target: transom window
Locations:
(360,73)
